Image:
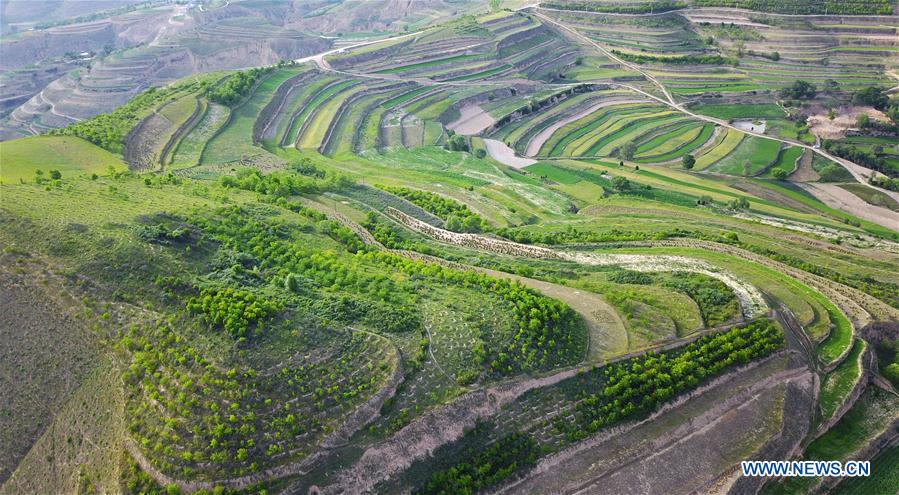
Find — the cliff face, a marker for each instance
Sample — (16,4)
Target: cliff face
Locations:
(153,49)
(51,86)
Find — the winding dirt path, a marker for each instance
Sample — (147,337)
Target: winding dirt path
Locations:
(752,303)
(836,197)
(500,152)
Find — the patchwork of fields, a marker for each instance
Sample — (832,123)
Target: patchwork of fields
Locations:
(525,249)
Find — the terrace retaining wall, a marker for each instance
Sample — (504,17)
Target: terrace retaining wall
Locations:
(268,114)
(866,360)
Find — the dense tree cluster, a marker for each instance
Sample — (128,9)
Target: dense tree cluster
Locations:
(232,90)
(888,357)
(640,385)
(456,216)
(391,237)
(640,58)
(283,184)
(862,157)
(882,7)
(484,467)
(235,310)
(378,315)
(877,98)
(456,142)
(871,96)
(885,182)
(716,301)
(268,240)
(799,90)
(630,277)
(547,328)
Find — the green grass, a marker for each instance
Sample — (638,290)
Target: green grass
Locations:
(793,192)
(683,149)
(840,337)
(786,161)
(868,418)
(617,138)
(68,154)
(728,142)
(190,149)
(310,107)
(838,383)
(576,130)
(553,173)
(869,415)
(752,156)
(666,135)
(404,97)
(884,476)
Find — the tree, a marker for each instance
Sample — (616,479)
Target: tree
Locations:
(739,204)
(688,161)
(873,96)
(893,113)
(891,373)
(629,150)
(55,174)
(799,90)
(779,173)
(863,120)
(480,153)
(621,183)
(453,223)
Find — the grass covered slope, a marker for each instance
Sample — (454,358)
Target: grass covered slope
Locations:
(67,154)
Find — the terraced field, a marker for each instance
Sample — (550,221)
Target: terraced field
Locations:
(527,249)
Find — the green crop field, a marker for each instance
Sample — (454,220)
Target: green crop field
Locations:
(752,156)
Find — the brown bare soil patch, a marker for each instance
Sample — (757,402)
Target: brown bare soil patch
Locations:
(804,171)
(846,119)
(45,352)
(472,120)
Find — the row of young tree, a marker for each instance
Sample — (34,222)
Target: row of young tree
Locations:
(605,396)
(655,6)
(457,217)
(548,330)
(482,468)
(640,58)
(638,386)
(882,7)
